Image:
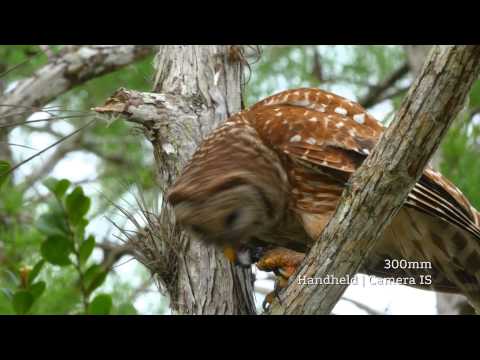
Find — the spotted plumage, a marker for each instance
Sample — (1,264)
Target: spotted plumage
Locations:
(273,174)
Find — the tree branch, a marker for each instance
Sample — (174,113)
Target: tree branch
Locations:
(453,304)
(197,87)
(47,166)
(62,73)
(377,190)
(112,253)
(377,92)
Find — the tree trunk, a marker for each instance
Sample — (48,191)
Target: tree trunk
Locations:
(416,56)
(380,186)
(196,87)
(447,304)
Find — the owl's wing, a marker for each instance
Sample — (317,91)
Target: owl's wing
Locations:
(317,128)
(437,196)
(332,136)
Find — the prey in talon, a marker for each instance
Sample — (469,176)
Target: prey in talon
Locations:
(243,256)
(283,262)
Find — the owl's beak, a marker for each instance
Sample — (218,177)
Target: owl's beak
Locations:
(242,256)
(230,254)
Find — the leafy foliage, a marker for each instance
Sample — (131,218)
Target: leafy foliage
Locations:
(40,234)
(63,227)
(461,151)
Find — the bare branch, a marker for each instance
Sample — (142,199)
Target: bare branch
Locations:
(59,153)
(377,92)
(112,253)
(49,147)
(393,93)
(453,304)
(47,50)
(66,71)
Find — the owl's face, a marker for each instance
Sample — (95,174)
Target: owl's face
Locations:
(230,212)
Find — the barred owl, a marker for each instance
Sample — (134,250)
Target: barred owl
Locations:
(270,177)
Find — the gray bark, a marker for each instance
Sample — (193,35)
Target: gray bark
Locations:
(453,304)
(380,186)
(416,56)
(447,304)
(196,87)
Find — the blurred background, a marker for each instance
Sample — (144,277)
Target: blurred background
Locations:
(106,166)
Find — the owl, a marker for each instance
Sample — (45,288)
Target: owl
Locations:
(264,184)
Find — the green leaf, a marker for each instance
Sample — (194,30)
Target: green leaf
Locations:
(94,277)
(4,167)
(56,250)
(77,205)
(80,228)
(13,200)
(50,183)
(125,308)
(61,187)
(97,281)
(101,305)
(57,187)
(91,272)
(86,249)
(475,95)
(22,301)
(7,292)
(52,224)
(56,207)
(37,289)
(36,269)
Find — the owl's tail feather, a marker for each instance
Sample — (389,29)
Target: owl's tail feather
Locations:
(477,216)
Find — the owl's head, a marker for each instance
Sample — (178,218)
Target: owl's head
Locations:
(228,209)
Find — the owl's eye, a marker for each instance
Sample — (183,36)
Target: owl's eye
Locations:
(231,218)
(197,229)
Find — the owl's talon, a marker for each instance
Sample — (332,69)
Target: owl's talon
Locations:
(283,262)
(280,283)
(267,302)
